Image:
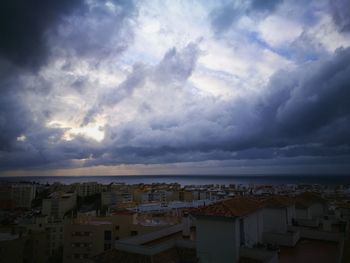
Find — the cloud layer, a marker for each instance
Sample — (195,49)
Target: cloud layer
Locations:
(221,84)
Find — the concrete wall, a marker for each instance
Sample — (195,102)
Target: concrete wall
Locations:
(217,240)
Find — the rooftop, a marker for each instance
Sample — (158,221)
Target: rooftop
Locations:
(307,251)
(235,207)
(278,202)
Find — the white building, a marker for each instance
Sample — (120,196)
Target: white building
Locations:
(238,224)
(278,215)
(310,209)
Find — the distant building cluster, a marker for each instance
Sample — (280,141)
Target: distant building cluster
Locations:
(96,223)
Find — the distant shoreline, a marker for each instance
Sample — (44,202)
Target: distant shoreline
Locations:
(335,179)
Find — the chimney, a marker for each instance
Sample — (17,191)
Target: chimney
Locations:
(186,225)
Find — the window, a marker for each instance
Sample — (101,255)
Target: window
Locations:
(133,233)
(117,227)
(81,233)
(108,235)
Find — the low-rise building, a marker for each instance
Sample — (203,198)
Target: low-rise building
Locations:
(238,224)
(278,215)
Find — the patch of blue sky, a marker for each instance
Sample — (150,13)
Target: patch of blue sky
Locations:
(288,52)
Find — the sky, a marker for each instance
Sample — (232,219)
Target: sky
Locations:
(108,87)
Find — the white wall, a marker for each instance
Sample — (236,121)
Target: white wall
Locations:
(317,210)
(302,213)
(275,219)
(291,214)
(217,240)
(253,228)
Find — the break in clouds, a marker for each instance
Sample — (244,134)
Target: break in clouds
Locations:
(231,83)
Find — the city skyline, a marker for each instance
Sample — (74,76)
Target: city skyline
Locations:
(93,87)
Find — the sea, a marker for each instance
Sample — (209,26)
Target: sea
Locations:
(196,180)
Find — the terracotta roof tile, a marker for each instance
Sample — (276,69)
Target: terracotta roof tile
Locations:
(235,207)
(278,201)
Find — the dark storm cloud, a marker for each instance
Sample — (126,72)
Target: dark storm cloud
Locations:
(14,115)
(23,28)
(302,118)
(23,25)
(27,29)
(305,114)
(341,14)
(103,30)
(312,97)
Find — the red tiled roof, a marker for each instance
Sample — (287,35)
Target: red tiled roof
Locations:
(277,202)
(235,207)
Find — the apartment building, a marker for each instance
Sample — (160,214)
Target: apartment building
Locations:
(88,189)
(58,204)
(22,195)
(86,238)
(116,198)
